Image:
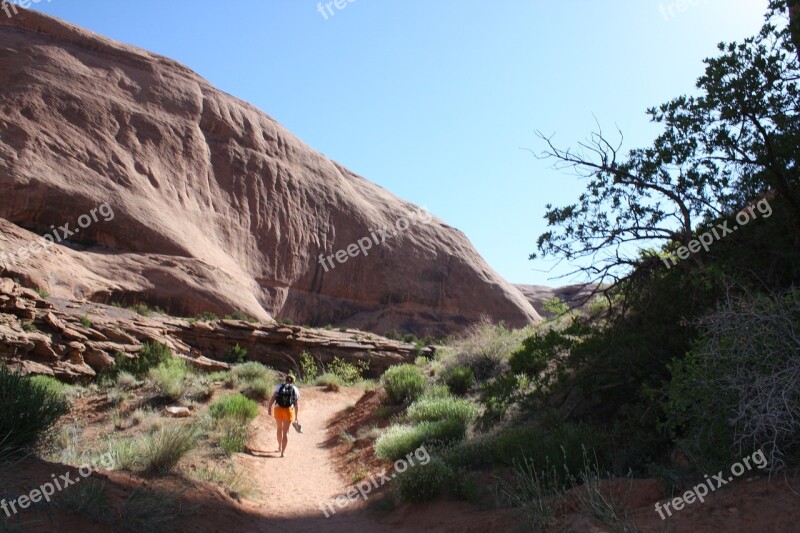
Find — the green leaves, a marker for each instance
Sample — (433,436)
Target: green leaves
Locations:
(716,152)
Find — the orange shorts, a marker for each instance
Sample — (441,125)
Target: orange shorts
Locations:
(284,413)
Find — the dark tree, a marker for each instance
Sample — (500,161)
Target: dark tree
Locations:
(739,139)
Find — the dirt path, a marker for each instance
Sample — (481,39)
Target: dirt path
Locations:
(289,490)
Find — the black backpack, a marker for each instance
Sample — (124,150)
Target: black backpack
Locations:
(286,396)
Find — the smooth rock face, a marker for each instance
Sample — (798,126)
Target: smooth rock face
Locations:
(211,204)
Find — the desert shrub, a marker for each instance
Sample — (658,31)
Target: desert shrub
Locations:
(538,493)
(437,391)
(151,355)
(259,389)
(127,381)
(498,395)
(169,378)
(146,510)
(50,384)
(423,483)
(565,445)
(435,409)
(238,315)
(348,372)
(163,449)
(234,436)
(555,306)
(252,371)
(392,334)
(157,452)
(88,499)
(208,316)
(331,381)
(31,407)
(235,354)
(86,321)
(404,383)
(485,348)
(459,379)
(736,391)
(400,440)
(235,406)
(309,369)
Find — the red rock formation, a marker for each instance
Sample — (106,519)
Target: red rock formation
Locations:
(50,337)
(215,205)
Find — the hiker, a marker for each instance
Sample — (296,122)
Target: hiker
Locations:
(287,396)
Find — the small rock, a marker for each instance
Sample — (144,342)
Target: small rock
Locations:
(179,412)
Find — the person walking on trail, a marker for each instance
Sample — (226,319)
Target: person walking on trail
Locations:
(287,396)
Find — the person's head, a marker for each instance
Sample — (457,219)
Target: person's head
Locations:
(289,378)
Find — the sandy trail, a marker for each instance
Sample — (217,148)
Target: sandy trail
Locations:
(289,490)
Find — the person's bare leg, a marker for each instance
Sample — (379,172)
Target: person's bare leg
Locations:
(285,425)
(279,425)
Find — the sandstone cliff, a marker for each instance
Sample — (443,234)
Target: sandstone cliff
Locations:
(212,205)
(77,341)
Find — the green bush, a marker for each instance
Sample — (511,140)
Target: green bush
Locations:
(234,437)
(166,447)
(238,315)
(252,371)
(126,381)
(89,499)
(50,384)
(565,445)
(349,373)
(401,440)
(235,406)
(145,310)
(555,306)
(485,348)
(208,316)
(86,321)
(169,378)
(436,409)
(460,379)
(146,510)
(259,389)
(404,383)
(309,369)
(31,407)
(437,391)
(235,354)
(331,381)
(151,355)
(156,453)
(423,483)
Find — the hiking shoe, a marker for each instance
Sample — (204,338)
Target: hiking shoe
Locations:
(297,426)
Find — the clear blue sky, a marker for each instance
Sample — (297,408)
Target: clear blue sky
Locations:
(433,99)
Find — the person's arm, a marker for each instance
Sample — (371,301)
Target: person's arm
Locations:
(297,409)
(271,403)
